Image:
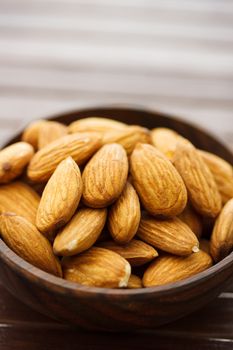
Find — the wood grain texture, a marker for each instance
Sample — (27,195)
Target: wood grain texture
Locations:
(198,332)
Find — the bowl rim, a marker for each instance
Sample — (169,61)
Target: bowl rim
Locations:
(60,285)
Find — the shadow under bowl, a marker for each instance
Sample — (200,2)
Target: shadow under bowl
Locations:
(112,309)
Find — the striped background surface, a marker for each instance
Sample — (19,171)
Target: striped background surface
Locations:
(176,56)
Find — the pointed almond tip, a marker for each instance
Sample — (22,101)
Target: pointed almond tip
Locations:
(69,159)
(124,281)
(155,254)
(195,249)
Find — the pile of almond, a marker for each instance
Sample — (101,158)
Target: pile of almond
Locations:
(105,204)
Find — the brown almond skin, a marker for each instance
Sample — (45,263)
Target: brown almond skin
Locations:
(104,176)
(101,125)
(27,242)
(200,183)
(134,282)
(79,146)
(81,232)
(60,197)
(38,187)
(13,160)
(221,242)
(169,268)
(136,252)
(158,184)
(165,141)
(192,219)
(49,132)
(31,132)
(128,137)
(172,235)
(97,267)
(124,216)
(222,172)
(19,198)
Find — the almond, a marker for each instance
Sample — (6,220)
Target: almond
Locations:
(124,216)
(95,124)
(170,268)
(136,252)
(104,176)
(49,132)
(26,241)
(221,243)
(20,199)
(165,141)
(128,137)
(172,235)
(60,198)
(79,146)
(200,183)
(157,182)
(97,267)
(31,132)
(38,187)
(192,219)
(134,282)
(222,172)
(81,232)
(13,160)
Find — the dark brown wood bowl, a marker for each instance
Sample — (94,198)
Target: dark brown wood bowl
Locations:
(115,309)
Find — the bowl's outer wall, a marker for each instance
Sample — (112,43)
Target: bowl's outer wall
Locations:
(106,310)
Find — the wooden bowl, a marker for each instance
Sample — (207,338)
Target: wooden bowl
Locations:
(113,309)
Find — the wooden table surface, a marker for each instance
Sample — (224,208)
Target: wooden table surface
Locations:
(172,55)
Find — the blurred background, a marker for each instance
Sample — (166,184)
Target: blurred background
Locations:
(171,55)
